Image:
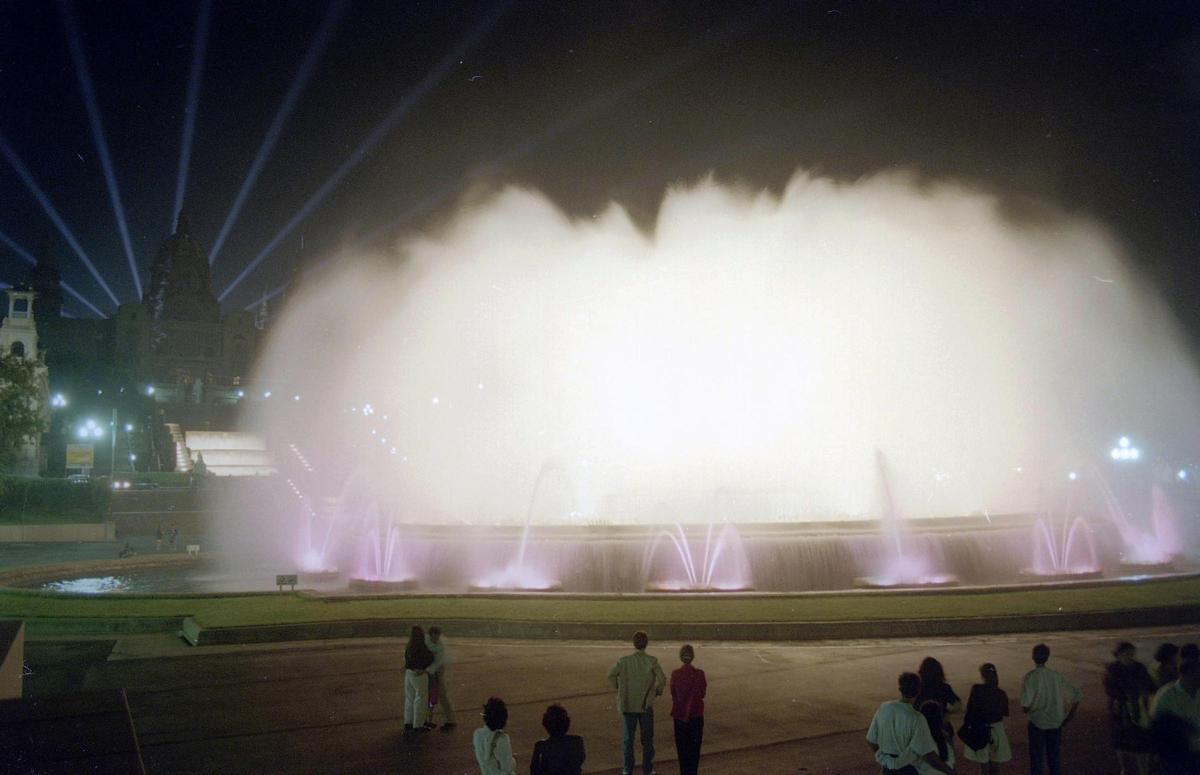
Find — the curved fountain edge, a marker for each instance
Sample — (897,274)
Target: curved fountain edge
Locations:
(200,635)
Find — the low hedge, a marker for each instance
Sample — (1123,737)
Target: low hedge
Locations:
(25,499)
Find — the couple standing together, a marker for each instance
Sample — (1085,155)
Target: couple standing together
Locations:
(425,681)
(639,679)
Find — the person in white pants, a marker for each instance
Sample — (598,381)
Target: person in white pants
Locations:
(417,659)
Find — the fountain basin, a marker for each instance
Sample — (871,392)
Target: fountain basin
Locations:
(383,585)
(932,581)
(553,586)
(667,588)
(1082,574)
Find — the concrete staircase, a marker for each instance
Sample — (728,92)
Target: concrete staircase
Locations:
(230,453)
(183,461)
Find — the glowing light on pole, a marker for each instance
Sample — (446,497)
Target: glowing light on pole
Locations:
(199,50)
(332,15)
(381,130)
(26,176)
(28,258)
(75,44)
(1124,450)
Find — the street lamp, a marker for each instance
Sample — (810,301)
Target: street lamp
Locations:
(1124,450)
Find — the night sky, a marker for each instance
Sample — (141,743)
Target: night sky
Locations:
(1093,108)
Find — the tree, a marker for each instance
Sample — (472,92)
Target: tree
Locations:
(21,418)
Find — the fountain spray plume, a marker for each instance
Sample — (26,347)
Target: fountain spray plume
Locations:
(28,258)
(27,178)
(333,15)
(746,343)
(381,130)
(191,105)
(75,45)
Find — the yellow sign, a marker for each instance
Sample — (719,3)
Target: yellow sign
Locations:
(81,456)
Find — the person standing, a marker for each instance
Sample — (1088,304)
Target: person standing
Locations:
(1166,664)
(1176,722)
(437,679)
(940,732)
(638,679)
(493,748)
(688,687)
(560,753)
(417,659)
(899,735)
(1050,701)
(988,704)
(1129,687)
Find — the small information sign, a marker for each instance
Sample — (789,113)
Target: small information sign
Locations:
(285,580)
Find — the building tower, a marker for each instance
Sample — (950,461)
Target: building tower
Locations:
(19,338)
(18,331)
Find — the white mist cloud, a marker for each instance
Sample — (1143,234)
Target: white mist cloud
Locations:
(756,346)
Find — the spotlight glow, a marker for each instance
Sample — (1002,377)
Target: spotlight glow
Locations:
(75,44)
(377,134)
(199,50)
(26,176)
(332,15)
(28,258)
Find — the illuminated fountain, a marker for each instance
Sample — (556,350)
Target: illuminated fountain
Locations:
(1146,549)
(1065,553)
(902,565)
(723,566)
(518,575)
(743,343)
(381,569)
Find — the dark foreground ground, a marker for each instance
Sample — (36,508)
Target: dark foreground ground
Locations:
(325,707)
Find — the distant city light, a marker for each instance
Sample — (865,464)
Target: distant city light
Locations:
(267,394)
(129,427)
(1182,475)
(240,394)
(58,401)
(480,386)
(436,400)
(1072,476)
(132,457)
(149,390)
(296,397)
(1123,441)
(82,433)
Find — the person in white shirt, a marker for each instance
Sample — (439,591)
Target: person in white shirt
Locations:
(1181,699)
(437,674)
(899,735)
(493,748)
(1050,700)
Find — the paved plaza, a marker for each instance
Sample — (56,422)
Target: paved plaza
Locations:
(336,706)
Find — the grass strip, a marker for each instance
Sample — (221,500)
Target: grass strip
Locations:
(288,608)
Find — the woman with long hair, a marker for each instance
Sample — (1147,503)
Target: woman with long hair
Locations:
(988,704)
(417,659)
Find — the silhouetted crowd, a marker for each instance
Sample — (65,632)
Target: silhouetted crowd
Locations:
(1154,714)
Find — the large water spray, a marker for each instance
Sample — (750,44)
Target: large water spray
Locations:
(746,349)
